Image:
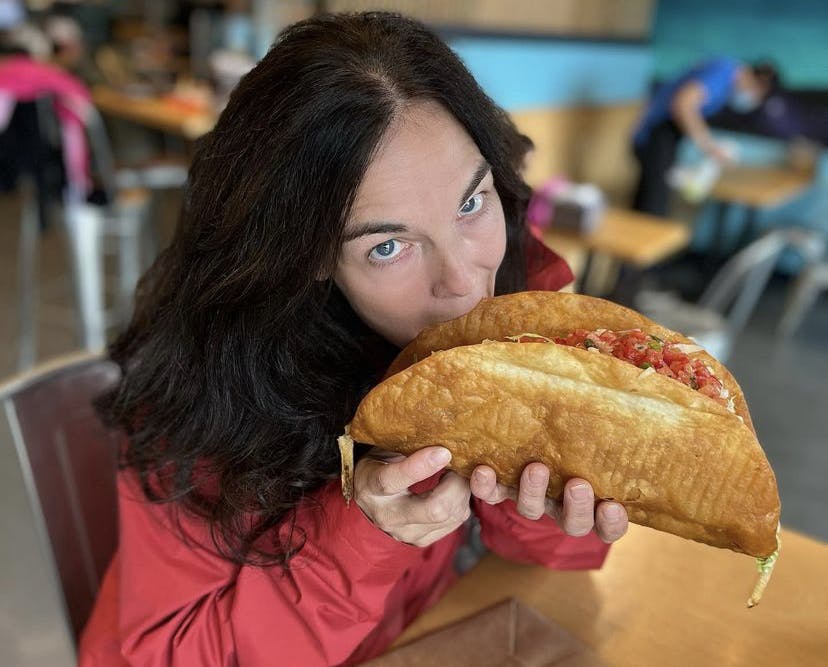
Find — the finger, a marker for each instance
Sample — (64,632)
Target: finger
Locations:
(484,486)
(394,478)
(578,514)
(447,503)
(610,521)
(531,497)
(383,455)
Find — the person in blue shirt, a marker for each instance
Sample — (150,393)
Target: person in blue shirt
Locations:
(680,108)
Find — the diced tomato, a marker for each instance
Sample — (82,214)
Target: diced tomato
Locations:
(645,351)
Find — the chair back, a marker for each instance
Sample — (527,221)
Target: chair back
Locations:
(101,155)
(737,286)
(68,460)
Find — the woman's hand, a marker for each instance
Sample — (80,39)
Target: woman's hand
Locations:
(381,481)
(577,515)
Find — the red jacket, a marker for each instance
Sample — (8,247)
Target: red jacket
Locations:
(348,594)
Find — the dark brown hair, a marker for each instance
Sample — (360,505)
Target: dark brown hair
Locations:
(240,367)
(768,75)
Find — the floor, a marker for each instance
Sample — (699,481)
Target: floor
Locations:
(784,381)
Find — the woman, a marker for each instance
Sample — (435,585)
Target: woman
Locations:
(358,187)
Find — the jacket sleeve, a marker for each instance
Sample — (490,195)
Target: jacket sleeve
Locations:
(545,269)
(541,542)
(182,604)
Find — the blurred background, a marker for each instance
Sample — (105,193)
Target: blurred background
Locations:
(716,229)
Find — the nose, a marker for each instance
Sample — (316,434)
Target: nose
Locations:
(455,276)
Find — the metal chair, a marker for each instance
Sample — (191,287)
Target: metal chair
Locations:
(728,301)
(803,295)
(68,463)
(89,229)
(127,218)
(812,280)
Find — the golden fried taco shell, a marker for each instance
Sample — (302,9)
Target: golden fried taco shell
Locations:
(677,460)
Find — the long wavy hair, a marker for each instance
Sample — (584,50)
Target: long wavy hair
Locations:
(241,364)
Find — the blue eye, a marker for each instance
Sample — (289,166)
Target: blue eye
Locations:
(472,205)
(385,251)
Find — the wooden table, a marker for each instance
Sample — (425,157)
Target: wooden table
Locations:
(662,600)
(622,237)
(154,112)
(630,237)
(761,187)
(755,189)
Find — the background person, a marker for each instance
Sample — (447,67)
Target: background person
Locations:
(25,77)
(680,108)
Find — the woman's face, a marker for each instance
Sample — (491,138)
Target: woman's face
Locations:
(427,231)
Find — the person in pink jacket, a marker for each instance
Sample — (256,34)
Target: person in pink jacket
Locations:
(25,79)
(358,187)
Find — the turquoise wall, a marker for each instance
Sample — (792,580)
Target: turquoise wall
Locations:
(525,74)
(521,74)
(791,33)
(528,73)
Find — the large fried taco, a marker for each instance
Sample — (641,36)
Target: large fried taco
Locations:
(593,390)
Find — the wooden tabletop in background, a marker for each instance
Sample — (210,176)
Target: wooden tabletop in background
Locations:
(628,236)
(761,187)
(663,600)
(154,112)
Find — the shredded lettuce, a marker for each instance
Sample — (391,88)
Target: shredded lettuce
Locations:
(765,567)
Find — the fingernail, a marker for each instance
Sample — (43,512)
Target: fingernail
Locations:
(439,457)
(537,476)
(580,492)
(612,512)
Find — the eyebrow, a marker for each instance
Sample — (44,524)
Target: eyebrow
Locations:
(480,173)
(369,228)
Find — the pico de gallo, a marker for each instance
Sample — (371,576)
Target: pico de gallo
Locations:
(648,352)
